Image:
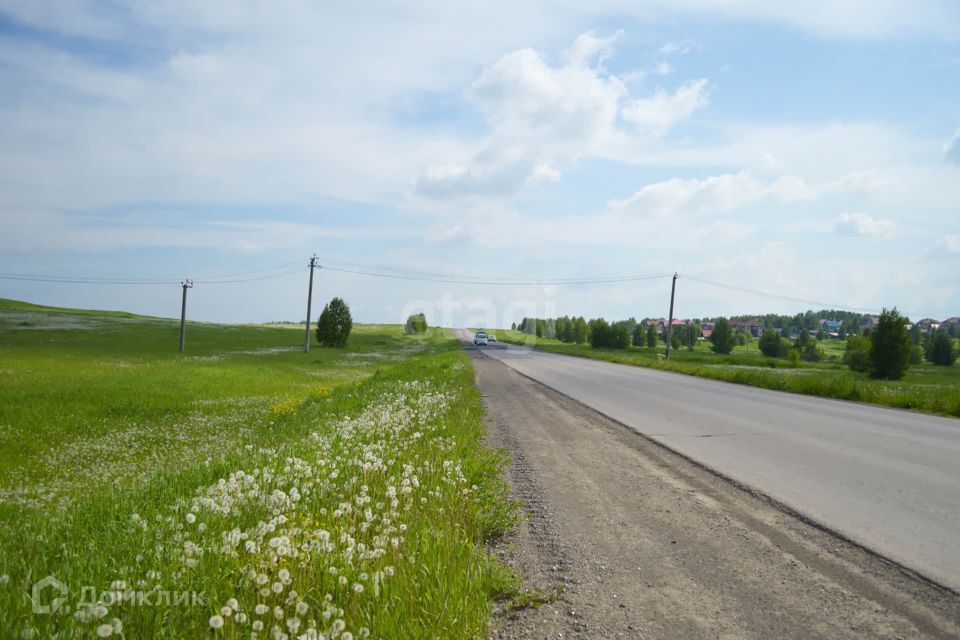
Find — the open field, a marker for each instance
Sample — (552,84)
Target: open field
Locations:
(244,487)
(925,387)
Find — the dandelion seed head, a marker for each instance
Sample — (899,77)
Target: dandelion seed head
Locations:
(215,622)
(105,631)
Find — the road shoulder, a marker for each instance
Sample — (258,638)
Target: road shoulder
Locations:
(640,543)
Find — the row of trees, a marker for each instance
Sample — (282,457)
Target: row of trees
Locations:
(598,332)
(601,333)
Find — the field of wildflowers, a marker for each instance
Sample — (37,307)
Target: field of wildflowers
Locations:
(270,494)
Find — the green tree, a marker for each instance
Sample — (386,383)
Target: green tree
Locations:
(941,350)
(580,330)
(890,346)
(599,333)
(722,336)
(857,355)
(651,336)
(639,335)
(619,336)
(773,345)
(416,324)
(335,324)
(513,327)
(916,335)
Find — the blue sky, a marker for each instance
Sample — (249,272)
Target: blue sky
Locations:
(807,150)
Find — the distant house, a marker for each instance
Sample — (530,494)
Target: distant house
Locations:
(928,325)
(951,322)
(869,322)
(831,327)
(751,327)
(706,329)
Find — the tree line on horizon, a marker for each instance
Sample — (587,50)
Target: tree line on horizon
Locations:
(885,350)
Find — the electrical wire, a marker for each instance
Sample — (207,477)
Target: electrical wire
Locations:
(499,282)
(766,294)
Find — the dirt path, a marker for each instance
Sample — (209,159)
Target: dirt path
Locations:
(647,545)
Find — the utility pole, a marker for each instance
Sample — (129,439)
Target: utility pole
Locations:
(673,290)
(306,341)
(186,284)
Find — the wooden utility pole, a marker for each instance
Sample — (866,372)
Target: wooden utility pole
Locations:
(186,284)
(673,290)
(306,341)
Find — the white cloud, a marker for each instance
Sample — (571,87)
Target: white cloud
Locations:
(720,193)
(950,244)
(861,224)
(680,48)
(951,150)
(551,115)
(663,68)
(664,111)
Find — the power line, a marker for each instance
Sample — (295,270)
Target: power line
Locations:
(499,281)
(429,276)
(767,294)
(26,277)
(81,280)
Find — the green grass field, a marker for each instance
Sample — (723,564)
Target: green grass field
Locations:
(925,387)
(244,488)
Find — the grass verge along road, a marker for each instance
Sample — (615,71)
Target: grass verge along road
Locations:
(244,489)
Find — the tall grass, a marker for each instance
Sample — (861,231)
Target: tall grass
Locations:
(353,505)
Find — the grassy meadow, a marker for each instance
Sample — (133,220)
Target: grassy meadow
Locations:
(926,387)
(244,488)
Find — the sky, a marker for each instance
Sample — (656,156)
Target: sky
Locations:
(777,156)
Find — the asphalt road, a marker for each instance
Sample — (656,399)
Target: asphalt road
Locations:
(884,478)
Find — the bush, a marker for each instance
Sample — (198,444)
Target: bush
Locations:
(890,346)
(722,337)
(599,333)
(793,357)
(857,355)
(941,351)
(651,336)
(916,354)
(619,336)
(811,352)
(416,324)
(335,324)
(772,345)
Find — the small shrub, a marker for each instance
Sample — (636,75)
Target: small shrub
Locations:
(857,355)
(793,357)
(811,352)
(772,345)
(916,355)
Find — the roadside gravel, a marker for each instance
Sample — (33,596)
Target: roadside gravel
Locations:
(641,543)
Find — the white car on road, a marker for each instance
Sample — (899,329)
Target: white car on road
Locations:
(480,339)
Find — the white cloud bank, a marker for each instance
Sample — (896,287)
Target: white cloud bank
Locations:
(861,224)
